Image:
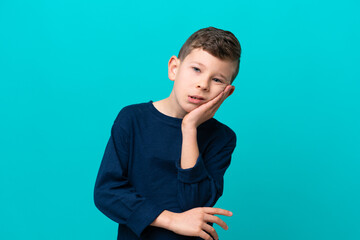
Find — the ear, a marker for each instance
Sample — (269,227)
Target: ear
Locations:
(231,90)
(173,66)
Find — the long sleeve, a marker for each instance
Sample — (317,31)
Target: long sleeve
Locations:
(202,185)
(113,194)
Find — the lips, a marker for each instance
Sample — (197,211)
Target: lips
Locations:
(196,99)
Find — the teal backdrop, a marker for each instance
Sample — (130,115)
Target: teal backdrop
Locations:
(68,67)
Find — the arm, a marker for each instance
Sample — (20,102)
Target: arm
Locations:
(190,150)
(201,186)
(113,194)
(201,176)
(196,185)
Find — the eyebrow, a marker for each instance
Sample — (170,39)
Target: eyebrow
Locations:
(205,66)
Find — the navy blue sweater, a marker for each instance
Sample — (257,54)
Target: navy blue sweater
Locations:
(140,174)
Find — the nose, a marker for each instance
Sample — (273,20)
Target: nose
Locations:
(203,84)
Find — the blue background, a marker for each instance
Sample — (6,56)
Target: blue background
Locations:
(68,67)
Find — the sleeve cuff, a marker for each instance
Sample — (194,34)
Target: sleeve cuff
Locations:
(195,174)
(143,216)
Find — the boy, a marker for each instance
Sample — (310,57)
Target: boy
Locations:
(163,166)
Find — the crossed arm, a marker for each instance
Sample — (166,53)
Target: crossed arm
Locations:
(118,199)
(194,222)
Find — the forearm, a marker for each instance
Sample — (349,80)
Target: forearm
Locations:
(190,149)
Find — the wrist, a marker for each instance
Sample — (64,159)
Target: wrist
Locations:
(188,127)
(164,220)
(189,133)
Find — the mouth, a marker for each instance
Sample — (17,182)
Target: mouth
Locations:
(195,99)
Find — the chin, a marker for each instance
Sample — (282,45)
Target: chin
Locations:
(189,108)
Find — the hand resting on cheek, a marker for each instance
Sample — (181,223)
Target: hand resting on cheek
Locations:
(207,110)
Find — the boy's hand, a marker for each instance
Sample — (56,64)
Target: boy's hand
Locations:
(207,110)
(194,222)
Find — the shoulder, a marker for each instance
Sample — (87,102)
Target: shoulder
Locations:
(130,114)
(131,111)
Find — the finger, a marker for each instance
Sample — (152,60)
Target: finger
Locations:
(217,220)
(205,236)
(210,230)
(231,91)
(218,97)
(228,90)
(213,102)
(216,106)
(218,211)
(222,96)
(218,103)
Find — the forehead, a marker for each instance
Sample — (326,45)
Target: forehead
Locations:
(214,64)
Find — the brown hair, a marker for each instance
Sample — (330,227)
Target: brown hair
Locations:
(219,43)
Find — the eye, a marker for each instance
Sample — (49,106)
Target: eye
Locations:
(196,69)
(217,80)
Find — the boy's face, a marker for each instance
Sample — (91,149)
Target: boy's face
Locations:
(199,78)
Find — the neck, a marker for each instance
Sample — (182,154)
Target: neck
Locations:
(170,107)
